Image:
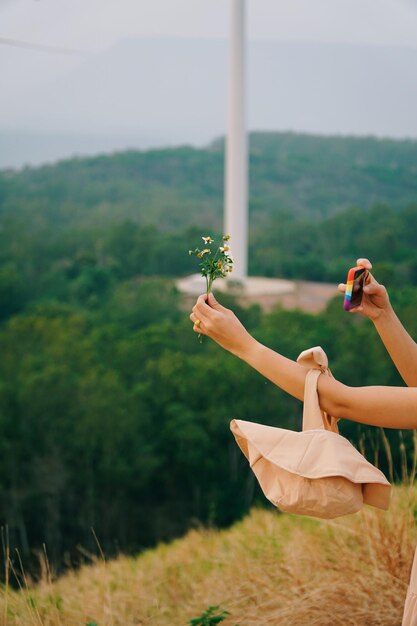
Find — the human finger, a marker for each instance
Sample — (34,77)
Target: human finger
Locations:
(364,263)
(198,326)
(195,319)
(202,310)
(214,304)
(202,298)
(374,288)
(202,304)
(341,287)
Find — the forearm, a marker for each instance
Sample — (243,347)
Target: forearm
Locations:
(389,407)
(400,346)
(290,377)
(283,372)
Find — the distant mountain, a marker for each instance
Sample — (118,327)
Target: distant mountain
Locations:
(153,92)
(315,204)
(304,175)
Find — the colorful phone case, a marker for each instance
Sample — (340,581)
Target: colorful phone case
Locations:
(358,272)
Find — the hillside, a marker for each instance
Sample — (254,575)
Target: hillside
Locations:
(112,414)
(308,176)
(325,200)
(268,569)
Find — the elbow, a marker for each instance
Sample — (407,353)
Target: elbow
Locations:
(336,398)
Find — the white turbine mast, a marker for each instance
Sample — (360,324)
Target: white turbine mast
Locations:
(236,182)
(236,157)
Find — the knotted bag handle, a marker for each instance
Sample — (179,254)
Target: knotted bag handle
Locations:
(313,416)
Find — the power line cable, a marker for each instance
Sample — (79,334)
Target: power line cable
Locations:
(41,48)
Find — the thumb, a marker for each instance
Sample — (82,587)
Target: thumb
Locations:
(211,301)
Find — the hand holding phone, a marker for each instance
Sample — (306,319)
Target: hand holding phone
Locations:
(354,287)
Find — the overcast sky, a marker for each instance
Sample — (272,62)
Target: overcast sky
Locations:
(91,26)
(95,24)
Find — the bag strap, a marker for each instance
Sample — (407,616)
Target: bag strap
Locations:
(313,416)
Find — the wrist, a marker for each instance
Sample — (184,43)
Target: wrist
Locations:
(246,347)
(249,349)
(385,317)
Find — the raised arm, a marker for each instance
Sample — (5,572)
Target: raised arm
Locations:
(400,346)
(390,407)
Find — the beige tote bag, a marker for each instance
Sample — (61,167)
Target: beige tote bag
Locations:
(410,608)
(314,472)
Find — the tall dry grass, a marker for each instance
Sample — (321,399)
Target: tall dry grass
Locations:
(269,569)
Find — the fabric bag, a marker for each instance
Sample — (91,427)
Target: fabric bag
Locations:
(410,607)
(317,471)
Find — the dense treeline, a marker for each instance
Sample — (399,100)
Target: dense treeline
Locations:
(112,414)
(321,250)
(117,418)
(84,267)
(315,204)
(306,175)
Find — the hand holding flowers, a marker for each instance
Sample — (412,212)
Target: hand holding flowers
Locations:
(222,325)
(213,264)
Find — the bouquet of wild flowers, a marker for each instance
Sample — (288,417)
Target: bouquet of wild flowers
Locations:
(215,261)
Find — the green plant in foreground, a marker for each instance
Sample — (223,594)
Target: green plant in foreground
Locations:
(210,617)
(215,263)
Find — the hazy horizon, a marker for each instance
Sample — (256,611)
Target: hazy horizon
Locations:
(156,75)
(179,96)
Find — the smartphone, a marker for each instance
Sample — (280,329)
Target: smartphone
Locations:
(354,287)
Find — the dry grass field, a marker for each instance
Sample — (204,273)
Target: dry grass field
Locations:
(269,569)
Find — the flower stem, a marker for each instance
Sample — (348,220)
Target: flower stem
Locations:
(209,285)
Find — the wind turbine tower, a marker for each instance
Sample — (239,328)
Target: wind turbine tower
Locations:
(236,180)
(236,163)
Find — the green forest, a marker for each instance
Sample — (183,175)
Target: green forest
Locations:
(113,416)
